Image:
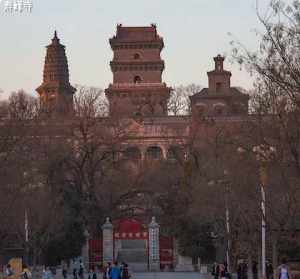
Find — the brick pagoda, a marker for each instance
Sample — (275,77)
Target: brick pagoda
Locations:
(137,67)
(56,92)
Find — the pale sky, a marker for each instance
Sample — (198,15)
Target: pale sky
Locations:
(194,31)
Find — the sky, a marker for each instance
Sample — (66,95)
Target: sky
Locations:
(194,31)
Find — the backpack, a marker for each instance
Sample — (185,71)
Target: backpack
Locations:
(283,273)
(9,272)
(25,275)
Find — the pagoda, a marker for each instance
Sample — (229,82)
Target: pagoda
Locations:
(137,68)
(56,92)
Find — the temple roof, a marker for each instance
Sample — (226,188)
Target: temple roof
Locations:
(137,33)
(205,93)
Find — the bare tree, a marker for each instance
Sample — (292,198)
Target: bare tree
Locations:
(276,104)
(90,102)
(22,106)
(179,102)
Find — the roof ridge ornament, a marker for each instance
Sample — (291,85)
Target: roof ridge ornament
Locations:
(55,39)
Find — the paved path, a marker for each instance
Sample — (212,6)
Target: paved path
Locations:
(156,275)
(145,275)
(168,275)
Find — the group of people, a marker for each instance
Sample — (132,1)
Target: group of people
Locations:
(220,271)
(77,272)
(242,270)
(25,274)
(9,272)
(269,270)
(47,273)
(111,271)
(114,271)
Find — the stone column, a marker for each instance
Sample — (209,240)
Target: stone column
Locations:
(85,249)
(164,152)
(108,241)
(154,262)
(143,153)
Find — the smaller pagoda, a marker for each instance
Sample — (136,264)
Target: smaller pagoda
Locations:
(56,92)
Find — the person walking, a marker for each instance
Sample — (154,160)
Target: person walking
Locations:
(215,270)
(121,269)
(26,274)
(9,271)
(283,270)
(254,270)
(222,273)
(64,272)
(242,270)
(81,270)
(75,273)
(125,272)
(47,274)
(94,276)
(107,271)
(227,274)
(269,270)
(115,271)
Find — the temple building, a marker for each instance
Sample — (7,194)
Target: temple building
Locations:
(138,93)
(219,99)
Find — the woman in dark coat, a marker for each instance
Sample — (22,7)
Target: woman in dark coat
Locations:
(125,272)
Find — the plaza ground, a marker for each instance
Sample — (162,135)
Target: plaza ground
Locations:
(169,275)
(156,275)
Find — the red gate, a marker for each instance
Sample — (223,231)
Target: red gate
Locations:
(132,229)
(166,252)
(95,253)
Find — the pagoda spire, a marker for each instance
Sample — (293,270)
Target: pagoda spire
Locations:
(55,39)
(56,93)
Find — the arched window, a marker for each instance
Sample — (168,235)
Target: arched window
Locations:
(154,153)
(132,153)
(137,79)
(220,109)
(137,56)
(175,153)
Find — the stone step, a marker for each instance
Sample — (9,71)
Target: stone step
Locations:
(138,267)
(133,256)
(134,244)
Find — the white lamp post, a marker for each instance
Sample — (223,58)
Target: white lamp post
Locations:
(263,154)
(227,220)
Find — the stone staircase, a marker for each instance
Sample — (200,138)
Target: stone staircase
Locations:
(134,253)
